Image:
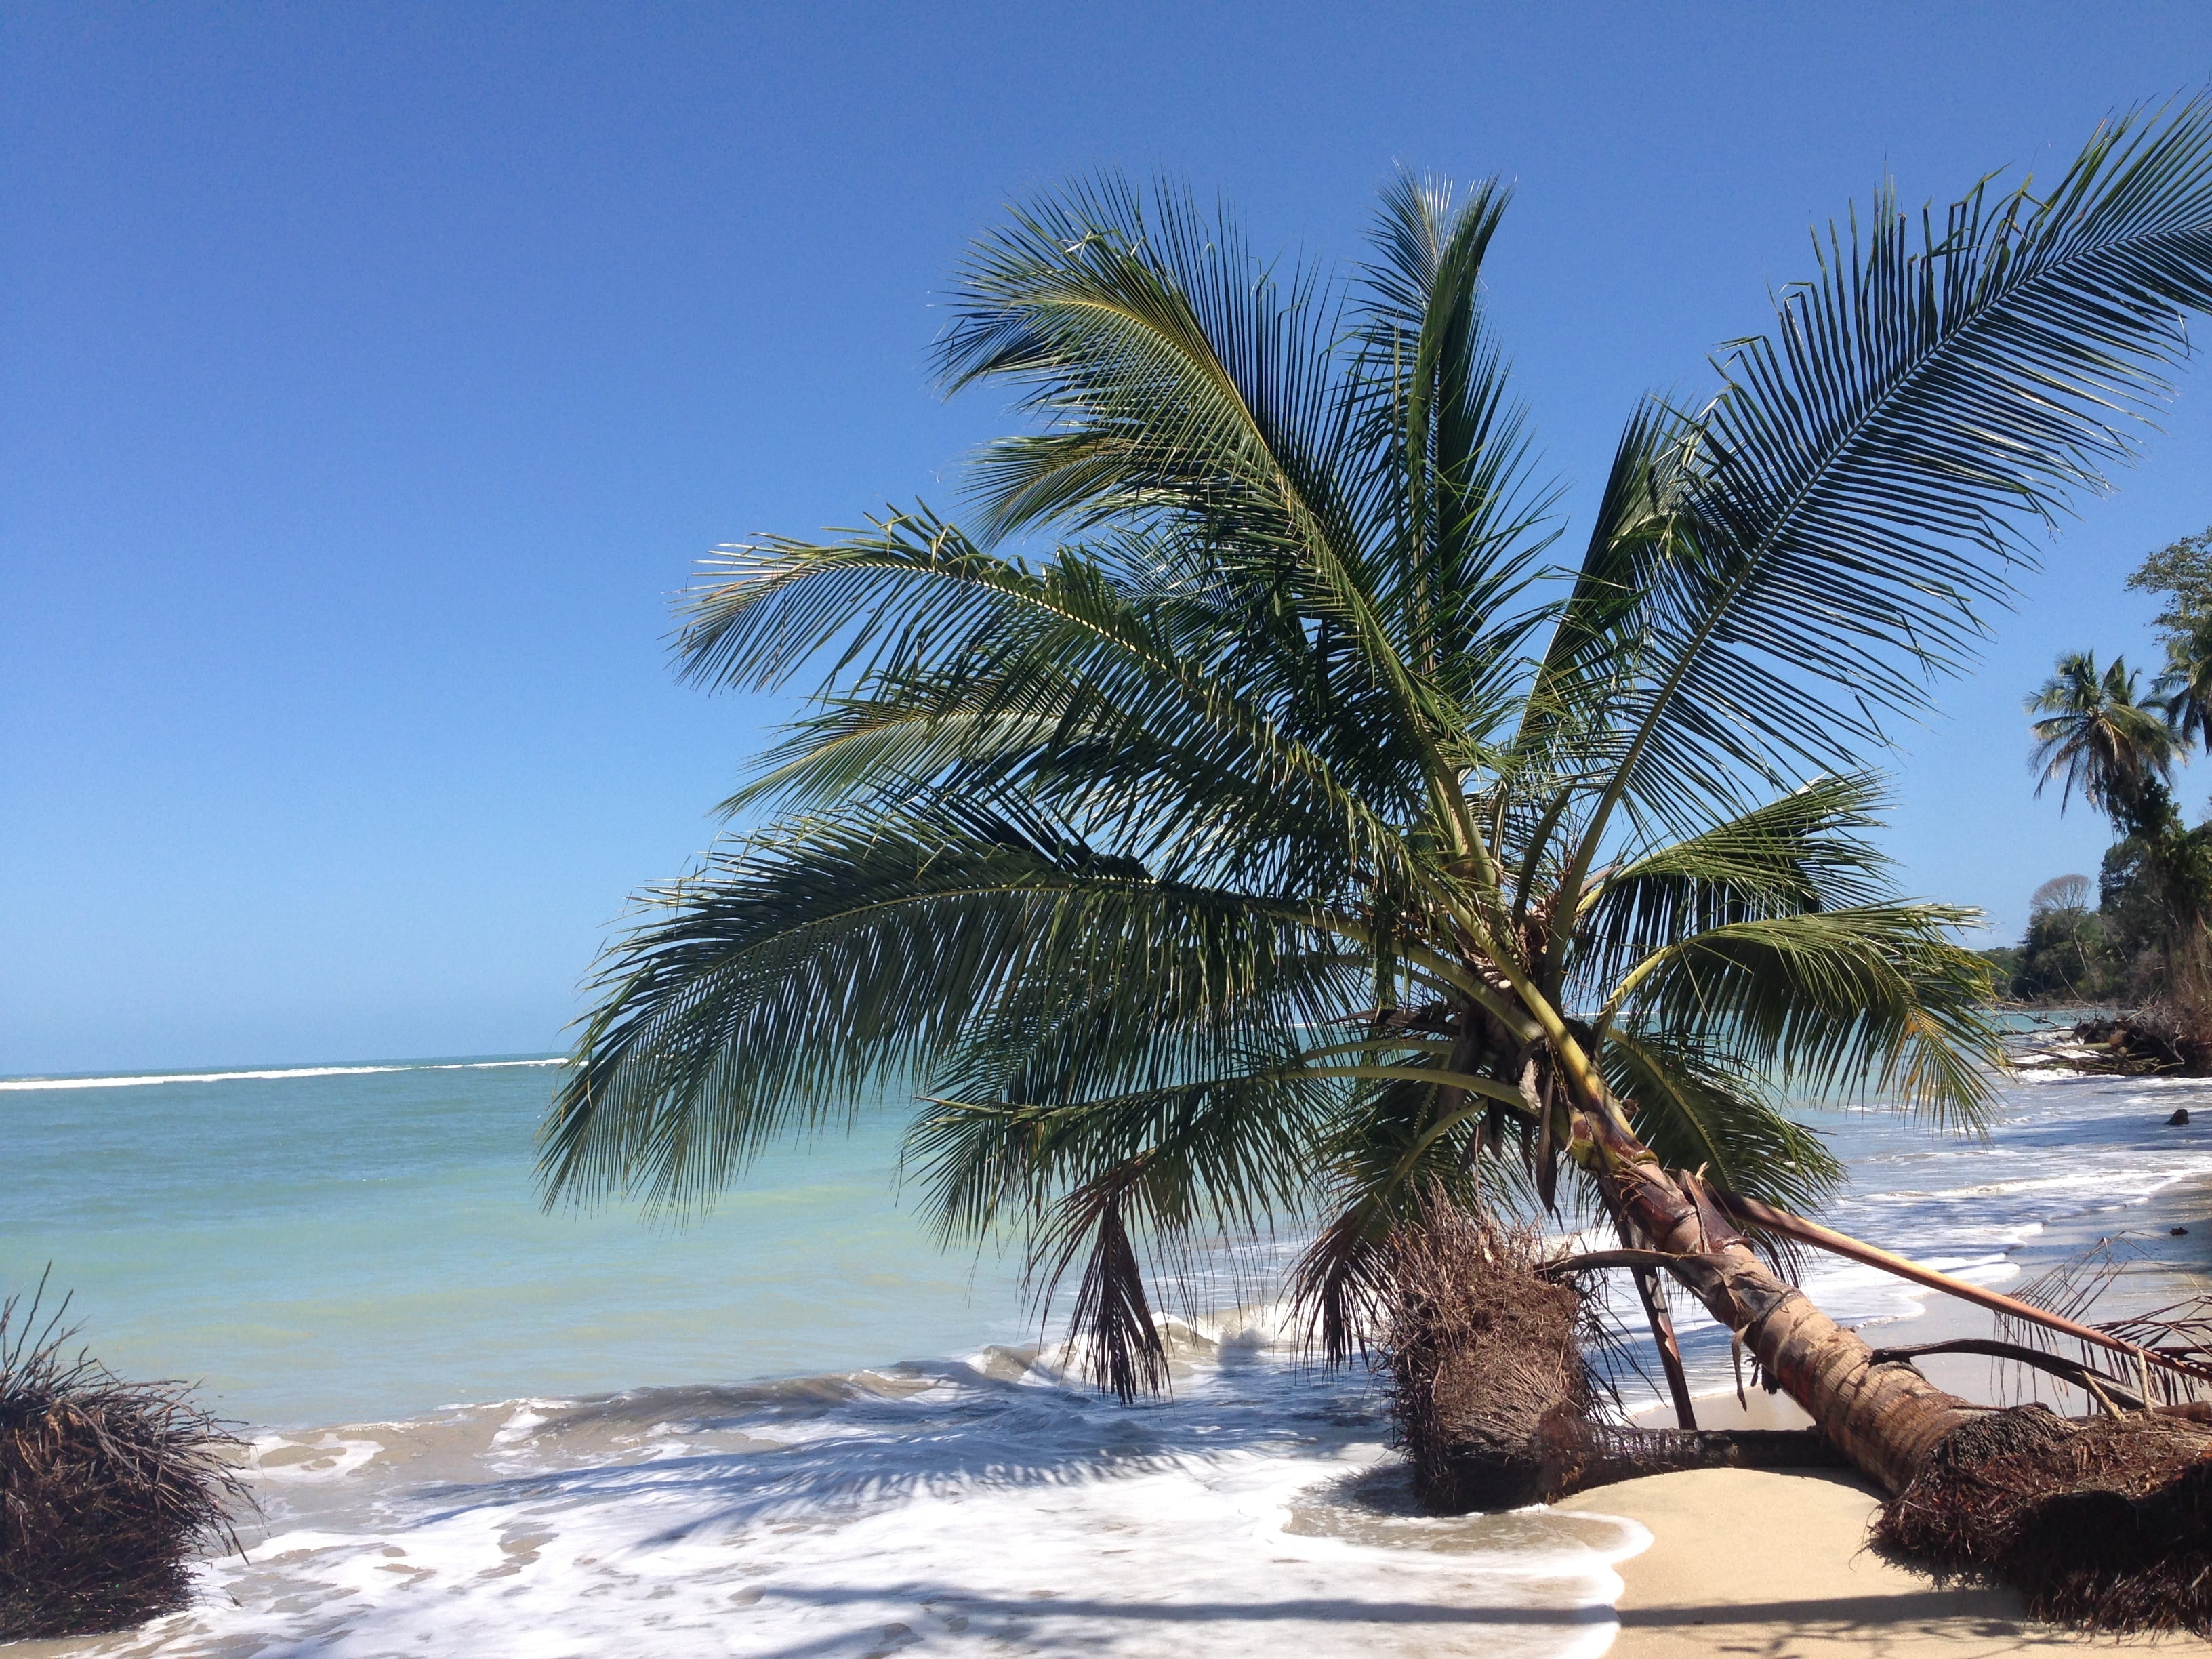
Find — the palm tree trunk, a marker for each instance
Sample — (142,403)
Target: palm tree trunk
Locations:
(1884,1418)
(1670,1351)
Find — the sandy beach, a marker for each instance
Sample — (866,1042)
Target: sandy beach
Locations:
(1772,1563)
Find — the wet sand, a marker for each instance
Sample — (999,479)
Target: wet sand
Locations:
(1772,1563)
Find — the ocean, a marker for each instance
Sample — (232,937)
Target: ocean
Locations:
(798,1428)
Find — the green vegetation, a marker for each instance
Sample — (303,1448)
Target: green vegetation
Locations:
(2100,734)
(1240,824)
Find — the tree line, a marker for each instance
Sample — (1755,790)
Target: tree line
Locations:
(2137,935)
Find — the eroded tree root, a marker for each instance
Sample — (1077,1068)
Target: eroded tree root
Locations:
(2105,1524)
(1494,1402)
(108,1490)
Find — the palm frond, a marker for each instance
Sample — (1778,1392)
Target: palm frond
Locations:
(1872,1001)
(962,660)
(1806,851)
(809,972)
(1700,1108)
(1864,483)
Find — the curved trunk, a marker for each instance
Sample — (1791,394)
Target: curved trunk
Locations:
(1886,1417)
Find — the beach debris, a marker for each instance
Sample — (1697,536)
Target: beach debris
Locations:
(2179,1119)
(2106,1523)
(1496,1405)
(108,1490)
(2141,1043)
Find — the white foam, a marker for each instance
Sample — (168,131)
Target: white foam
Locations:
(137,1082)
(931,1509)
(294,1460)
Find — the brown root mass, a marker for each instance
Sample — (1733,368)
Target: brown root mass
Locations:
(2145,1043)
(1483,1364)
(107,1490)
(1494,1404)
(2107,1524)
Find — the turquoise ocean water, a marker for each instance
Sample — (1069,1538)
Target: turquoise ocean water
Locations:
(320,1245)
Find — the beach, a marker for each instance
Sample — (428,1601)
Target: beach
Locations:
(1772,1563)
(338,1252)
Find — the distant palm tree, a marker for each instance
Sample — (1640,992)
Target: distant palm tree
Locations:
(1240,824)
(2097,733)
(2185,688)
(2102,736)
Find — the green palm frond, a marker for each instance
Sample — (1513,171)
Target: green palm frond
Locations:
(1700,1108)
(1098,1180)
(1175,372)
(1873,1001)
(965,661)
(810,972)
(1805,851)
(1447,448)
(1864,480)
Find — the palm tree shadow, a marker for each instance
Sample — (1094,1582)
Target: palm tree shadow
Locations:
(762,1452)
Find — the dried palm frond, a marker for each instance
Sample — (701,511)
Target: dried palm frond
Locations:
(2182,1331)
(108,1489)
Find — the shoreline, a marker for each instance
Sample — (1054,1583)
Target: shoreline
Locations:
(828,1504)
(1774,1563)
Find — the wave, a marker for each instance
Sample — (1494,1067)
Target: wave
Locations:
(140,1080)
(966,1510)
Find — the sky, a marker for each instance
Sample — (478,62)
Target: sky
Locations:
(376,374)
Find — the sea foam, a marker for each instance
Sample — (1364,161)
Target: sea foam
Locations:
(133,1080)
(936,1508)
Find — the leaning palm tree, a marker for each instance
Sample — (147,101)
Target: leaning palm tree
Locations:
(2096,734)
(1242,820)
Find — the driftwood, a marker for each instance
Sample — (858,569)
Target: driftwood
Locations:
(2148,1042)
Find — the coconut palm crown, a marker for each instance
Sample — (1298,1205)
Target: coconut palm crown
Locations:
(1243,817)
(2097,734)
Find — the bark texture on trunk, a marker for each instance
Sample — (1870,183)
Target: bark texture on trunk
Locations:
(1886,1418)
(2107,1524)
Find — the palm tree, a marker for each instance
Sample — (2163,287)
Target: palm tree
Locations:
(1239,823)
(2186,687)
(2096,733)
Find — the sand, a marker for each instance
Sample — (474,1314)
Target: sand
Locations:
(1770,1563)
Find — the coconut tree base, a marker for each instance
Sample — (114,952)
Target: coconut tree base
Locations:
(1577,1457)
(2104,1524)
(1495,1406)
(109,1490)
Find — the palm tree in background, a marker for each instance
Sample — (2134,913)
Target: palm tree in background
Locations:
(2185,688)
(2097,735)
(1241,823)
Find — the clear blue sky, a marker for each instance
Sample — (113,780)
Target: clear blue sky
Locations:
(374,373)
